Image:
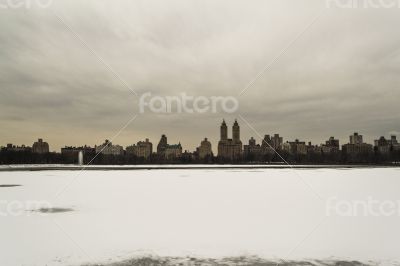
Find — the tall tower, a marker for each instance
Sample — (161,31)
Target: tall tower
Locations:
(236,132)
(162,145)
(224,131)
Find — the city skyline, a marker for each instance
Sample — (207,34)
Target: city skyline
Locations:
(318,85)
(224,135)
(273,148)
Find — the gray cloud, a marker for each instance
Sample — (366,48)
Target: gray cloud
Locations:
(340,76)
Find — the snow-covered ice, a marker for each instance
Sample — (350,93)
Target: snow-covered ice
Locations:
(98,216)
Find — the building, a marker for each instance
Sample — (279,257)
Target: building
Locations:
(13,148)
(356,147)
(40,147)
(330,146)
(168,151)
(253,150)
(295,147)
(107,148)
(188,156)
(270,145)
(204,150)
(393,140)
(313,148)
(142,149)
(356,139)
(275,142)
(72,153)
(173,151)
(230,148)
(162,145)
(394,143)
(385,146)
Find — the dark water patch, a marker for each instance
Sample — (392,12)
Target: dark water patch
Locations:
(229,261)
(349,263)
(11,185)
(54,210)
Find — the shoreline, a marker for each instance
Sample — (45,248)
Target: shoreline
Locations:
(8,168)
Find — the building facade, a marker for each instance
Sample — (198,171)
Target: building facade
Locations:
(167,151)
(173,151)
(315,149)
(273,144)
(14,148)
(331,146)
(40,147)
(107,148)
(142,149)
(356,139)
(295,147)
(356,148)
(72,153)
(385,146)
(395,144)
(205,149)
(252,150)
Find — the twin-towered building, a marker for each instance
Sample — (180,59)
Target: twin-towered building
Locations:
(230,149)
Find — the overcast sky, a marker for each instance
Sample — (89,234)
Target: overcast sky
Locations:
(66,70)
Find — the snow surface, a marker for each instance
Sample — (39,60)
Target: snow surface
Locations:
(271,213)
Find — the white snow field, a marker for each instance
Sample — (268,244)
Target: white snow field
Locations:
(77,217)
